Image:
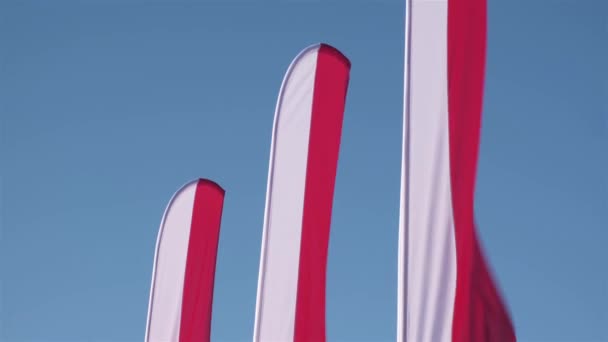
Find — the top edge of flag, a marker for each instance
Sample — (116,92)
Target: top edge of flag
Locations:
(326,48)
(209,182)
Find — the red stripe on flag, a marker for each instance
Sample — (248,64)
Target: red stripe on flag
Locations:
(199,277)
(495,321)
(331,83)
(467,21)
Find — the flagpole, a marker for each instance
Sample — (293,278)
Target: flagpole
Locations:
(402,261)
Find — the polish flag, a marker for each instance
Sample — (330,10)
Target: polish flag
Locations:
(445,290)
(303,161)
(181,293)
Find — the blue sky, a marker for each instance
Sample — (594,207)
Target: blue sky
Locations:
(108,107)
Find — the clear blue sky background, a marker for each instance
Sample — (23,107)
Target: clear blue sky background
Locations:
(108,107)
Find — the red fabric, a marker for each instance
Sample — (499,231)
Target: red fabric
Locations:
(479,314)
(494,320)
(197,299)
(331,83)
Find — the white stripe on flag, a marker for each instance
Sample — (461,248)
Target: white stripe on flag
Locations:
(285,199)
(427,216)
(171,254)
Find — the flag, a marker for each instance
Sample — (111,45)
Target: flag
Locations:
(445,289)
(181,293)
(303,161)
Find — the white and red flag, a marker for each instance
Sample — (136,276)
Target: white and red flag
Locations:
(445,289)
(303,162)
(181,294)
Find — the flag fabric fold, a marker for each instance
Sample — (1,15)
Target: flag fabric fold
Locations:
(181,294)
(445,290)
(303,162)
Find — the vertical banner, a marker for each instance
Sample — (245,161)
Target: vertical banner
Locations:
(445,291)
(181,293)
(303,162)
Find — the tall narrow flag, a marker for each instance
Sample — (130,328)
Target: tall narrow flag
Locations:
(181,294)
(445,290)
(303,162)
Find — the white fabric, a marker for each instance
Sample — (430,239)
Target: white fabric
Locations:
(280,256)
(427,251)
(164,312)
